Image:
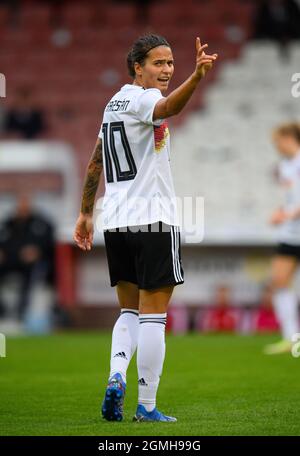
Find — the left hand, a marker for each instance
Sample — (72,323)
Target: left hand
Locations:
(84,231)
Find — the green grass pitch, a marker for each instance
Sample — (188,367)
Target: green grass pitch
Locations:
(214,385)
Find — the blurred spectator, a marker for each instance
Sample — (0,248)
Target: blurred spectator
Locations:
(222,317)
(265,320)
(278,20)
(26,250)
(24,118)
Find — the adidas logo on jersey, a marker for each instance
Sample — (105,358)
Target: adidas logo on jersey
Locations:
(121,355)
(142,382)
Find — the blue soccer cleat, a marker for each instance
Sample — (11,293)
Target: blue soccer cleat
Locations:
(155,415)
(112,407)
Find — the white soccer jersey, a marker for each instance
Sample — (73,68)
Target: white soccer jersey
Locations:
(289,232)
(136,154)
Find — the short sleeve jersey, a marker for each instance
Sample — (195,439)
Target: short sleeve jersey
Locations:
(289,174)
(136,154)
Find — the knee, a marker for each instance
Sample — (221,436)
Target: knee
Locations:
(153,308)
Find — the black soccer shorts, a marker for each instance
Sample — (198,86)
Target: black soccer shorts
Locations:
(288,250)
(146,255)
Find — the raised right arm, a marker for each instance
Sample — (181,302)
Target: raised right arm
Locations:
(175,102)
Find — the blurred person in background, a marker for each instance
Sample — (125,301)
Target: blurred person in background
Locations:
(26,250)
(286,139)
(278,20)
(221,317)
(24,119)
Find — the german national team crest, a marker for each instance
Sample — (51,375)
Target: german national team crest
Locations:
(161,134)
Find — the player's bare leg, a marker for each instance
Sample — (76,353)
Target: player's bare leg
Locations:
(155,301)
(284,301)
(283,270)
(151,351)
(128,295)
(124,343)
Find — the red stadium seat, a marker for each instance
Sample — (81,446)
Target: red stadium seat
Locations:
(117,15)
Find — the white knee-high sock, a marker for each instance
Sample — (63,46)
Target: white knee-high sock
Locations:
(286,310)
(124,341)
(150,357)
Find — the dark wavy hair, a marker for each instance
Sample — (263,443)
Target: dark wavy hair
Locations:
(140,49)
(289,129)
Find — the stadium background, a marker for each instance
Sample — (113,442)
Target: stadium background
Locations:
(72,57)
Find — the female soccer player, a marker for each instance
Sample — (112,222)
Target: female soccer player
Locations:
(140,223)
(287,141)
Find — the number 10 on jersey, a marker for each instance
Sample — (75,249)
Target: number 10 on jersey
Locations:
(112,153)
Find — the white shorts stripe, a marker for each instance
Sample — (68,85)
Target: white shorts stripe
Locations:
(173,254)
(177,255)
